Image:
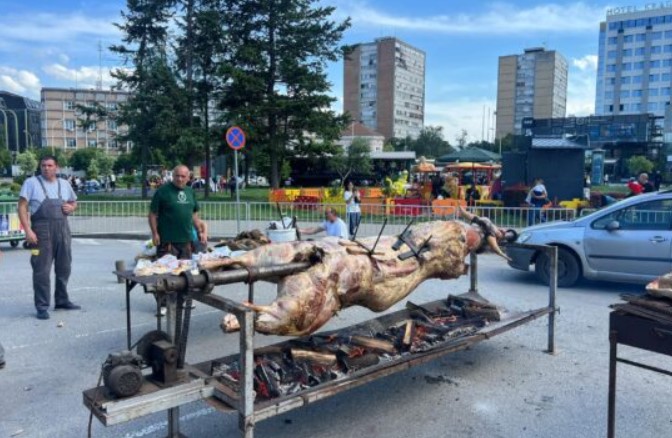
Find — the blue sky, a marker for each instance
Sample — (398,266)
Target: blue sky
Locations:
(48,43)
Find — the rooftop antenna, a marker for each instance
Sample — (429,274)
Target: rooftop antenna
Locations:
(99,82)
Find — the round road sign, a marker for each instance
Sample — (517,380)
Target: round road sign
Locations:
(235,138)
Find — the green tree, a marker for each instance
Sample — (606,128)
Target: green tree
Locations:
(5,158)
(27,162)
(124,163)
(461,139)
(60,155)
(81,158)
(355,159)
(148,112)
(105,164)
(93,171)
(638,164)
(430,143)
(278,73)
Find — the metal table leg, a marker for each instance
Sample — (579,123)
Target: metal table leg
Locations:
(128,314)
(171,316)
(246,410)
(552,288)
(611,421)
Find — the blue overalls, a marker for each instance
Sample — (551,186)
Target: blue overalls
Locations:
(50,225)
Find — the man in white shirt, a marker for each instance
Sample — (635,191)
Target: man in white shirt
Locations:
(333,225)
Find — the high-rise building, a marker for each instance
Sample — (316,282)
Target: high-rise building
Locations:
(634,67)
(65,124)
(384,87)
(533,84)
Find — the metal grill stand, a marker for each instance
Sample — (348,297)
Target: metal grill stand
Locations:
(197,384)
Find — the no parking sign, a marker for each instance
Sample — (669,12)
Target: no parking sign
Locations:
(235,138)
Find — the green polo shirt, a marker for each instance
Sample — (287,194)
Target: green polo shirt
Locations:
(175,208)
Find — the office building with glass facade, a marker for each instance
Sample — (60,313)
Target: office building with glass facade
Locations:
(634,71)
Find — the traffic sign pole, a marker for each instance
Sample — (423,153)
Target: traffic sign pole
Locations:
(235,138)
(235,164)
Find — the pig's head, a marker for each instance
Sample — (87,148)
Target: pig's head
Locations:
(483,228)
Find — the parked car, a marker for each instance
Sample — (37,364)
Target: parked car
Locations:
(628,241)
(91,186)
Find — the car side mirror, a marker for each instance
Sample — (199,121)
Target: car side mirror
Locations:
(613,226)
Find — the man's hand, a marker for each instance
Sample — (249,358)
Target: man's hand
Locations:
(67,208)
(156,239)
(203,237)
(31,237)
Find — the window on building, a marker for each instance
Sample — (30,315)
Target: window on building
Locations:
(111,106)
(637,79)
(656,50)
(636,107)
(611,54)
(71,143)
(656,35)
(654,64)
(666,77)
(612,81)
(628,38)
(68,105)
(92,143)
(112,125)
(653,92)
(640,51)
(625,94)
(608,94)
(668,34)
(113,144)
(666,91)
(652,106)
(611,67)
(612,40)
(667,62)
(639,65)
(654,78)
(625,79)
(626,52)
(91,127)
(626,66)
(69,125)
(636,93)
(640,37)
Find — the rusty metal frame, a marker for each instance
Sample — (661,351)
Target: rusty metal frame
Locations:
(226,399)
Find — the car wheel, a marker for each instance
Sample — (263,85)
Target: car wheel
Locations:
(568,268)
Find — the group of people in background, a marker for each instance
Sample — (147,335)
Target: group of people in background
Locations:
(642,184)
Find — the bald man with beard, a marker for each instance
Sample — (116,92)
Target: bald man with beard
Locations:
(173,215)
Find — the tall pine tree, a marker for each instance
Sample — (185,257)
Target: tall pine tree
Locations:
(277,70)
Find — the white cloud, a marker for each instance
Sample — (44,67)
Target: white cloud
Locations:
(21,82)
(497,18)
(456,115)
(83,77)
(56,29)
(588,62)
(581,86)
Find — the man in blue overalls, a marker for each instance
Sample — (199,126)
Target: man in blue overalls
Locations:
(44,205)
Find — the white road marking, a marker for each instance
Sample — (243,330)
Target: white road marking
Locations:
(91,242)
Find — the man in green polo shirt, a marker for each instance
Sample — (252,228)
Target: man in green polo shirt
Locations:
(173,215)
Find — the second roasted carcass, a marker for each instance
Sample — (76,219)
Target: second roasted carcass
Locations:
(345,274)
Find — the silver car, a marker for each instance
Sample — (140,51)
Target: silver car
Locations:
(628,241)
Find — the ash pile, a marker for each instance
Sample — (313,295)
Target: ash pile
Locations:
(299,364)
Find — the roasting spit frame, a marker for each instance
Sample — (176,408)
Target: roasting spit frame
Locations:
(196,384)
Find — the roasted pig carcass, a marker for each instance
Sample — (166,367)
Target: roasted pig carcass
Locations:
(345,274)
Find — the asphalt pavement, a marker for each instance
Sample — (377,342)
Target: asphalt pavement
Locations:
(504,387)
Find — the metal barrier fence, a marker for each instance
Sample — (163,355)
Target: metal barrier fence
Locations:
(130,217)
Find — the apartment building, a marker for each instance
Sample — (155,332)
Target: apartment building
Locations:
(384,87)
(64,123)
(531,85)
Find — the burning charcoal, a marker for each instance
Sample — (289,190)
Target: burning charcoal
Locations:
(409,334)
(374,344)
(357,363)
(313,357)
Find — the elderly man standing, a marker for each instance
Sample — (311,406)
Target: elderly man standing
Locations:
(173,216)
(45,201)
